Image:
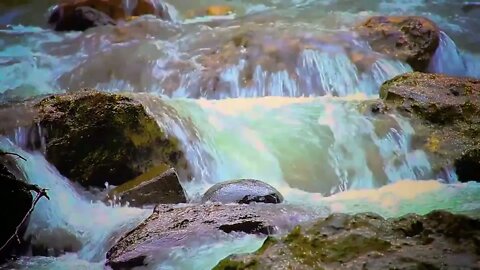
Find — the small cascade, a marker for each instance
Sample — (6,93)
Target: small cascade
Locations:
(448,59)
(329,147)
(69,220)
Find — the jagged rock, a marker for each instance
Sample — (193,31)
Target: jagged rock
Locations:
(439,240)
(95,137)
(242,191)
(409,38)
(158,185)
(172,226)
(16,200)
(445,111)
(71,15)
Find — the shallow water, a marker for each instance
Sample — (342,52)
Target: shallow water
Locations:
(285,111)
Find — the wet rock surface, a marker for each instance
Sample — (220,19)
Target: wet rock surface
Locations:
(172,226)
(80,15)
(158,185)
(94,137)
(242,191)
(445,112)
(409,38)
(438,240)
(16,200)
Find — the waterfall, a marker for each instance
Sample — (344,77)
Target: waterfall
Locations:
(321,145)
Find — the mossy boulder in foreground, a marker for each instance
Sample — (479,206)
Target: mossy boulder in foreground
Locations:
(412,39)
(445,112)
(438,240)
(94,137)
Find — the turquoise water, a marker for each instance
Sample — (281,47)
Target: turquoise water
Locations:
(287,111)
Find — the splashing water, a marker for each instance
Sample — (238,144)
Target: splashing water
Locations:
(330,145)
(69,216)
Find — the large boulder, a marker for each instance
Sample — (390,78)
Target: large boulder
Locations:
(439,240)
(445,112)
(159,185)
(94,137)
(409,38)
(173,226)
(13,192)
(70,15)
(242,191)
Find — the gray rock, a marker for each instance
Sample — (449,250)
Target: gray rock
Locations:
(242,191)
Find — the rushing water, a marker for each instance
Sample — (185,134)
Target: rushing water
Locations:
(286,110)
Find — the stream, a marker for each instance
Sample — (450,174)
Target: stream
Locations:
(291,118)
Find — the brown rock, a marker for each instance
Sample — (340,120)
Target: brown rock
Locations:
(64,17)
(408,38)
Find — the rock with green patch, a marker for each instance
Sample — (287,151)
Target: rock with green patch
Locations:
(439,240)
(158,185)
(445,112)
(94,137)
(16,200)
(412,39)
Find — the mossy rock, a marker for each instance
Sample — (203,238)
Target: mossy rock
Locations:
(412,39)
(439,240)
(94,137)
(445,112)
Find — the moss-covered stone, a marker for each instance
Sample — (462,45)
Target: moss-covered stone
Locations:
(445,112)
(94,137)
(438,240)
(409,38)
(12,193)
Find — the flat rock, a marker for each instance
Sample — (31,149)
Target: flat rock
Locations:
(158,185)
(439,240)
(171,226)
(242,191)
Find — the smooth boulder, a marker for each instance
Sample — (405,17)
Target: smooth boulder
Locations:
(159,185)
(438,240)
(445,112)
(94,137)
(412,39)
(242,191)
(181,226)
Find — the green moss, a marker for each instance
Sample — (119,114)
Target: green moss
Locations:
(148,175)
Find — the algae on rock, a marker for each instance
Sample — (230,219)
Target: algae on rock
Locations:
(94,137)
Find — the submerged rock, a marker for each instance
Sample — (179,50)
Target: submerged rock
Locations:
(409,38)
(439,240)
(71,15)
(174,226)
(158,185)
(445,111)
(94,137)
(215,10)
(242,191)
(16,201)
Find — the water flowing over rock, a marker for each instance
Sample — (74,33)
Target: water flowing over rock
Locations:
(242,191)
(16,201)
(408,38)
(71,15)
(171,226)
(93,138)
(438,240)
(448,109)
(158,185)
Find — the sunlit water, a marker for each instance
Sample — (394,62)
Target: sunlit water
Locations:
(285,110)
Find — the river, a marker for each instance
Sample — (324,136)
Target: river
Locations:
(287,114)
